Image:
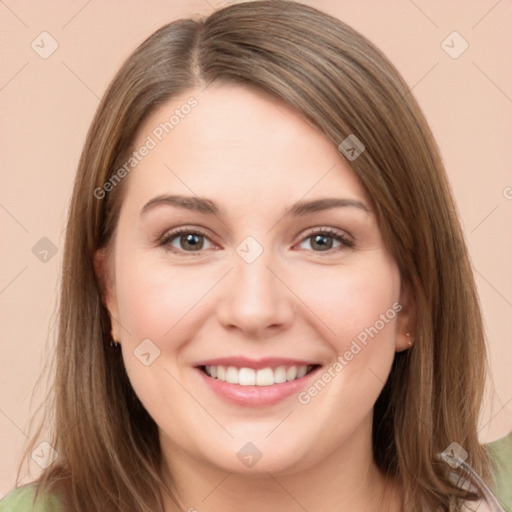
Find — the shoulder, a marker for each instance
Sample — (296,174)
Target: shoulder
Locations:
(21,499)
(500,452)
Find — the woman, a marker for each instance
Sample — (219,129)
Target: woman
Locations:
(266,301)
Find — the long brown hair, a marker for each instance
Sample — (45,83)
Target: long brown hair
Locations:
(108,446)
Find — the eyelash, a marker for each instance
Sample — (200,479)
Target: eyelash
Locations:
(329,232)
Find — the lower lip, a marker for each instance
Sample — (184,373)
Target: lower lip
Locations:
(256,396)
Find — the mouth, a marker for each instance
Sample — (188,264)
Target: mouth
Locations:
(251,383)
(247,376)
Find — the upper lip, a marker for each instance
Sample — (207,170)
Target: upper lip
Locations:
(244,362)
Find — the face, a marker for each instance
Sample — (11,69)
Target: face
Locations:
(231,276)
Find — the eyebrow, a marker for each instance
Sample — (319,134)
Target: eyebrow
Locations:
(207,206)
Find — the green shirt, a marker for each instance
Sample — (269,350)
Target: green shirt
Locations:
(501,455)
(21,499)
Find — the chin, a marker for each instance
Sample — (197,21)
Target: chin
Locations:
(260,455)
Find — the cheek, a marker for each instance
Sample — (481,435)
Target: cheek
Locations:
(158,302)
(155,299)
(357,309)
(349,302)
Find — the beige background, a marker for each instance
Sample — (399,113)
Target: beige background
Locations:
(47,105)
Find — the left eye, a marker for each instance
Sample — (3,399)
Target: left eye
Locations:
(323,241)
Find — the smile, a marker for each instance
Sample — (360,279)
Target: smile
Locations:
(255,383)
(257,377)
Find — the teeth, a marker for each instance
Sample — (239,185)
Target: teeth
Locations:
(231,375)
(301,371)
(265,377)
(291,373)
(252,377)
(246,377)
(280,375)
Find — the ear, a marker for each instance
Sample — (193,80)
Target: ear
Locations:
(406,319)
(104,269)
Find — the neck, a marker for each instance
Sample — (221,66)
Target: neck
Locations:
(346,479)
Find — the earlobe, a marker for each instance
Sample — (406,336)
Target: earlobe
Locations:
(406,320)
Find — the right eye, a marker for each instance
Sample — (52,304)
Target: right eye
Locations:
(183,240)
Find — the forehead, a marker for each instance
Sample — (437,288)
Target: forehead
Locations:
(231,142)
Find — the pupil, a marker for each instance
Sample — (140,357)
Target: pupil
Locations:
(192,240)
(320,241)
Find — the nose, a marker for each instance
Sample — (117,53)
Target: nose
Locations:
(255,299)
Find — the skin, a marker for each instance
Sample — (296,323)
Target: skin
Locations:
(255,157)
